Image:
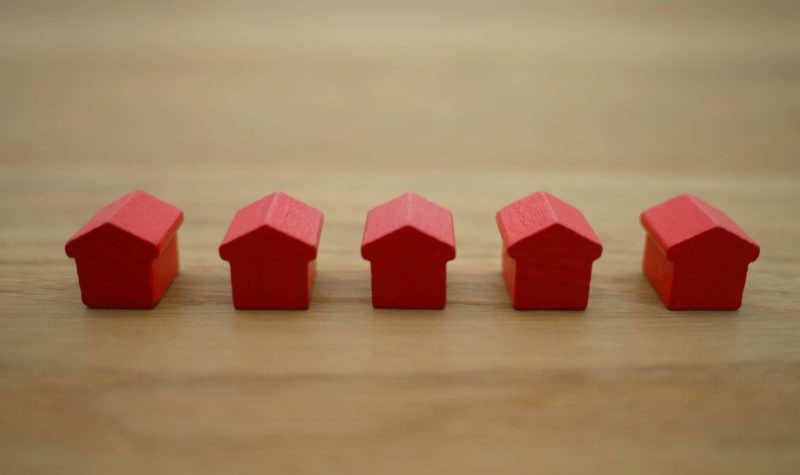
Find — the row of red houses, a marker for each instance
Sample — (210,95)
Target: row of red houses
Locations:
(695,256)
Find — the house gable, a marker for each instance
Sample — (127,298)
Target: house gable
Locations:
(282,224)
(137,223)
(409,209)
(399,243)
(716,243)
(541,222)
(409,222)
(556,239)
(686,225)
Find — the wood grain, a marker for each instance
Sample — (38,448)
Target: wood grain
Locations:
(611,106)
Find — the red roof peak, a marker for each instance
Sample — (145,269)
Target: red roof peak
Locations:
(542,217)
(142,216)
(409,211)
(685,219)
(281,213)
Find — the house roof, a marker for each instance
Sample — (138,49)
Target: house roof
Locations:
(542,221)
(409,212)
(677,223)
(284,217)
(138,217)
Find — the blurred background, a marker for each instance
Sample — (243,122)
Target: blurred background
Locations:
(579,85)
(612,105)
(346,104)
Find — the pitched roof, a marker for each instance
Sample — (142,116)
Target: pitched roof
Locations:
(409,211)
(541,219)
(140,215)
(279,212)
(677,222)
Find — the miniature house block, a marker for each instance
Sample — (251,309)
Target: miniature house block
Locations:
(408,242)
(695,256)
(548,251)
(127,253)
(271,246)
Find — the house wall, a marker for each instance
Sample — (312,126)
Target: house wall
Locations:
(548,281)
(509,273)
(708,283)
(409,283)
(261,282)
(109,277)
(658,270)
(164,268)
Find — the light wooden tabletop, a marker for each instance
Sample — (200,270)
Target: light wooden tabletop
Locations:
(611,106)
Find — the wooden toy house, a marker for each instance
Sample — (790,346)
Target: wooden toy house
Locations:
(408,242)
(271,246)
(548,251)
(695,256)
(127,253)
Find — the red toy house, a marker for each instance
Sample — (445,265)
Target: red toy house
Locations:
(272,245)
(408,241)
(695,256)
(127,253)
(548,250)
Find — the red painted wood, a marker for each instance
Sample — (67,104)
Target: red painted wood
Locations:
(548,251)
(408,242)
(127,253)
(695,256)
(271,246)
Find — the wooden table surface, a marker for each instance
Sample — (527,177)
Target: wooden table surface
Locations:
(613,106)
